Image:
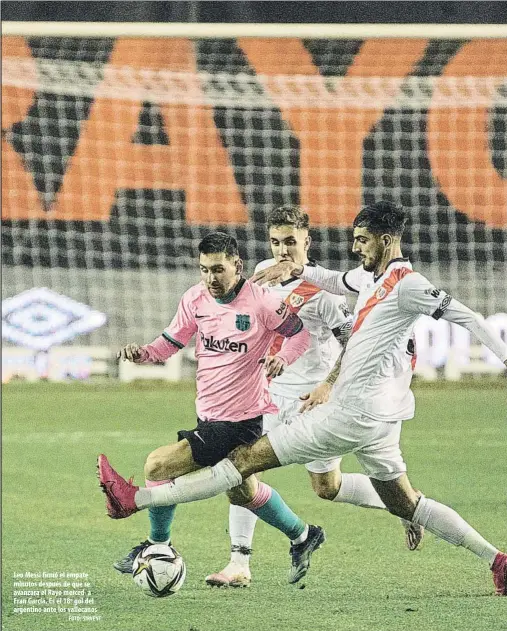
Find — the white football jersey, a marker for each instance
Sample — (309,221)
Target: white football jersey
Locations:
(378,364)
(327,318)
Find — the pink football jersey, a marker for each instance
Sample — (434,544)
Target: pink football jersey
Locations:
(231,337)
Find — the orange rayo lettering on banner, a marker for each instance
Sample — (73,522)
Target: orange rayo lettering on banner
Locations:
(458,137)
(331,137)
(20,199)
(195,160)
(107,159)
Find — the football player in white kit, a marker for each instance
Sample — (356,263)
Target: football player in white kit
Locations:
(328,319)
(370,400)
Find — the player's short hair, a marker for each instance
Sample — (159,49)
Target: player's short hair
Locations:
(382,218)
(218,242)
(289,215)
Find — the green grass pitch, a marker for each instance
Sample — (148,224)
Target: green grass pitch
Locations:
(362,579)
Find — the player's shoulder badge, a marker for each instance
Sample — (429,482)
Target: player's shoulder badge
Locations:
(432,291)
(381,293)
(344,308)
(295,300)
(242,321)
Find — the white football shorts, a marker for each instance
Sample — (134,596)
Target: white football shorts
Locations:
(331,431)
(287,414)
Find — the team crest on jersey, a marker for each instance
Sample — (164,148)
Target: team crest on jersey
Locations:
(242,321)
(296,301)
(381,293)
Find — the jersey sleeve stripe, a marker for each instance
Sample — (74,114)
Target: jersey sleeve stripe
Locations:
(172,341)
(344,280)
(306,290)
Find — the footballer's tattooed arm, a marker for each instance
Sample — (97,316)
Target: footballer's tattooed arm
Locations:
(333,375)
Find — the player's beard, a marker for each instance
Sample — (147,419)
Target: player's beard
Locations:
(370,264)
(220,290)
(217,291)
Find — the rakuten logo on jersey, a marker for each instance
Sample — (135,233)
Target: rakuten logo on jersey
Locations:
(223,346)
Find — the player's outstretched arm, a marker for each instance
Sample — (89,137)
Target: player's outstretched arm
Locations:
(418,295)
(339,283)
(175,337)
(326,279)
(277,273)
(460,314)
(158,351)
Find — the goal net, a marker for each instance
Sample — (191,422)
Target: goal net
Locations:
(120,154)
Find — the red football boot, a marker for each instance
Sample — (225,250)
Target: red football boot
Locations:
(120,493)
(499,569)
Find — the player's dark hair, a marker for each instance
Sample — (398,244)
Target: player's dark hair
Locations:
(217,242)
(288,215)
(382,218)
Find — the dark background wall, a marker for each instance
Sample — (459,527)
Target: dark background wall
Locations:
(318,12)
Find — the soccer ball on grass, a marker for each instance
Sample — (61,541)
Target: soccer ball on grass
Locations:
(159,570)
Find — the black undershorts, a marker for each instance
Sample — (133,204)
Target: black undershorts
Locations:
(211,441)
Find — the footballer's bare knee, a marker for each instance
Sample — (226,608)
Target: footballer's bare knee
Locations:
(244,493)
(153,467)
(326,485)
(169,462)
(398,495)
(254,458)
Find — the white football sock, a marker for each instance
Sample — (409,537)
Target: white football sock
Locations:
(356,488)
(199,485)
(241,526)
(444,522)
(302,537)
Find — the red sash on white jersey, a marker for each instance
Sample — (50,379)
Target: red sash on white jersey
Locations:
(295,301)
(386,288)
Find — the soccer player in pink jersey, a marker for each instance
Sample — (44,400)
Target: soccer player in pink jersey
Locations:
(235,323)
(370,401)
